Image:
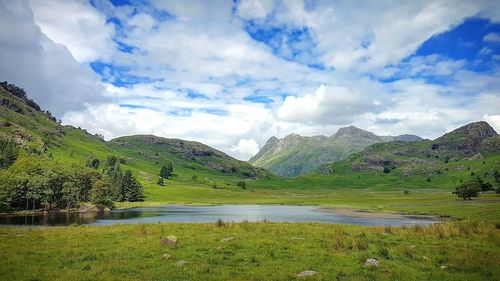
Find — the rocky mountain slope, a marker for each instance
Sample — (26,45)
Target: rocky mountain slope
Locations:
(295,155)
(473,142)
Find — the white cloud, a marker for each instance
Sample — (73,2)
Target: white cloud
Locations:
(77,25)
(45,69)
(327,105)
(254,9)
(493,120)
(492,38)
(245,149)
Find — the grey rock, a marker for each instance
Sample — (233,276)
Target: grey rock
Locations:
(372,262)
(307,273)
(170,240)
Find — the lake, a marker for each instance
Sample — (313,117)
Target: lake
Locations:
(198,214)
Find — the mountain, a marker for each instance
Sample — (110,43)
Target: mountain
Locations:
(38,132)
(473,142)
(296,155)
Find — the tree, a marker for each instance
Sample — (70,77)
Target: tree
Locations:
(102,192)
(468,190)
(496,175)
(484,186)
(242,184)
(167,170)
(164,172)
(132,189)
(8,153)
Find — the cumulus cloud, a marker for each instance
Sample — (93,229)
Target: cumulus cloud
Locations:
(47,70)
(328,105)
(77,25)
(245,149)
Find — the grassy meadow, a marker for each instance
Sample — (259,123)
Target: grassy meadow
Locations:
(259,251)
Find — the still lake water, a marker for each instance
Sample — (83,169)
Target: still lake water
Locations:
(196,214)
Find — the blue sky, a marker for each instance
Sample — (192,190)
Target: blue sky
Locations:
(234,73)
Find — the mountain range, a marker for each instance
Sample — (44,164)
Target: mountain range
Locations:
(295,155)
(350,158)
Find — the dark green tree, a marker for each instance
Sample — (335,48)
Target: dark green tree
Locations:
(242,184)
(484,186)
(468,190)
(166,170)
(132,189)
(8,153)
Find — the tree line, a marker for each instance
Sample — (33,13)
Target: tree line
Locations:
(39,182)
(472,188)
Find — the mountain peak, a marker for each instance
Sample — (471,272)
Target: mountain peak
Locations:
(352,131)
(475,130)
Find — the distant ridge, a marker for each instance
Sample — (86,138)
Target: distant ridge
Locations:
(295,155)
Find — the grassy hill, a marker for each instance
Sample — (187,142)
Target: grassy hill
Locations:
(36,132)
(466,153)
(297,155)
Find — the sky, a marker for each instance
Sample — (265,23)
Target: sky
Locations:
(231,74)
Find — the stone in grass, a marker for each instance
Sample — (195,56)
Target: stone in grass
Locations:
(372,263)
(227,239)
(307,273)
(166,256)
(181,263)
(170,240)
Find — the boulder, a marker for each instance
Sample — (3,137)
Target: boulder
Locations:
(181,263)
(166,256)
(306,273)
(170,240)
(372,263)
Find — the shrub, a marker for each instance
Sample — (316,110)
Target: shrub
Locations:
(468,190)
(242,184)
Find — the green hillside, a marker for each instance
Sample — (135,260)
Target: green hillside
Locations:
(40,137)
(466,153)
(297,155)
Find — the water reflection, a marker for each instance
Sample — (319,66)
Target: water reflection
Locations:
(205,214)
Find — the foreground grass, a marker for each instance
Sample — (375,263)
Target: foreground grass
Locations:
(259,251)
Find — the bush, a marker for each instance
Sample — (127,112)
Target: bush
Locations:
(242,184)
(468,190)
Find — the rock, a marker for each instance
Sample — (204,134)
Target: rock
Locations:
(166,256)
(170,240)
(306,273)
(226,239)
(426,258)
(372,262)
(181,263)
(443,267)
(89,208)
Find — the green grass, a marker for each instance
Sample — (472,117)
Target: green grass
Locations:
(260,251)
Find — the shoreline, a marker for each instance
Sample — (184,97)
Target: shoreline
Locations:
(358,213)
